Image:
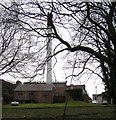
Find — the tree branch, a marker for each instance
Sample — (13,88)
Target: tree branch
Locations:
(91,51)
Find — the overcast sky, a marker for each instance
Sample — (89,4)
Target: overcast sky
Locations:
(60,75)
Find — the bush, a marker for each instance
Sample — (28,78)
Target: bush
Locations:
(76,94)
(7,91)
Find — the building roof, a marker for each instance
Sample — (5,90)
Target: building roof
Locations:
(59,84)
(34,87)
(77,86)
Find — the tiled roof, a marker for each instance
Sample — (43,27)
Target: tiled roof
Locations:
(59,84)
(34,87)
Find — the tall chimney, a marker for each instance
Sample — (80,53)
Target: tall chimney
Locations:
(49,50)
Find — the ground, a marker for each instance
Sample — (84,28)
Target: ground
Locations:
(75,109)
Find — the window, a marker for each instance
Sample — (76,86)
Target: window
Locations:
(45,94)
(57,94)
(31,96)
(95,97)
(20,96)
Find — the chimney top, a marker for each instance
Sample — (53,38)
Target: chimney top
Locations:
(18,82)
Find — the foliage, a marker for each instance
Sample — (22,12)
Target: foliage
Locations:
(7,91)
(76,94)
(106,96)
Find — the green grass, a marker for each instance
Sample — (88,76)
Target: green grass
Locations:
(75,109)
(40,105)
(81,103)
(71,112)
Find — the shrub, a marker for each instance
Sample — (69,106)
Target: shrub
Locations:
(76,94)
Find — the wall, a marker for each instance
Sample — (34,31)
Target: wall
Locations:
(59,91)
(47,96)
(44,97)
(40,96)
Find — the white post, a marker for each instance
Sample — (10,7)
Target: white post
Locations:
(96,94)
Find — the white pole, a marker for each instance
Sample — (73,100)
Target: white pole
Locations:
(96,94)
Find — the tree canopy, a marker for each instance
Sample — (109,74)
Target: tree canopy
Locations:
(82,28)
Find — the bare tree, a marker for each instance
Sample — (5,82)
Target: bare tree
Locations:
(85,28)
(21,49)
(94,32)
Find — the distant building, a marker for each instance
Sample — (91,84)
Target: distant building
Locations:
(43,93)
(99,98)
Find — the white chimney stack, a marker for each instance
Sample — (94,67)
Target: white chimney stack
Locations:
(49,50)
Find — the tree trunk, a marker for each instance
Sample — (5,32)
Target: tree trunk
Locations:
(113,78)
(114,86)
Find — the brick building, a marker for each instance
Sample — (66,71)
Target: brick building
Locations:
(43,93)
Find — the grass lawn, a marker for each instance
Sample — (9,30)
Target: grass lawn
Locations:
(75,109)
(40,105)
